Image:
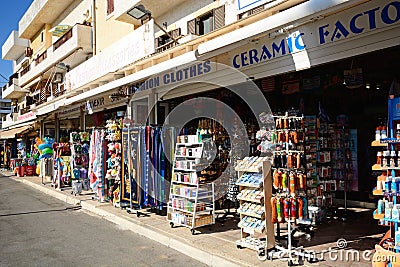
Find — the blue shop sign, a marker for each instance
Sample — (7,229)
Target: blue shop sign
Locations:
(328,32)
(179,75)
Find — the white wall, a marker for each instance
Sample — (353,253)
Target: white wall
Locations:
(75,13)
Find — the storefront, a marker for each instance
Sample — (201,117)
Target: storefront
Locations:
(330,65)
(325,81)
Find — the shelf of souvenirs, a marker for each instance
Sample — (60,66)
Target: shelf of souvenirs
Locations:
(288,117)
(301,169)
(206,210)
(252,210)
(378,192)
(253,243)
(253,180)
(378,143)
(200,197)
(250,164)
(288,151)
(251,195)
(379,167)
(389,141)
(252,225)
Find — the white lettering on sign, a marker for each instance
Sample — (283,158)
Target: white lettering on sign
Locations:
(347,24)
(127,50)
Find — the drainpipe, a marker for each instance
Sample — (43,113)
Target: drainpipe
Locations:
(94,26)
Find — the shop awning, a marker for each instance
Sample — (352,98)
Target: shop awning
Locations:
(59,30)
(8,134)
(135,77)
(50,107)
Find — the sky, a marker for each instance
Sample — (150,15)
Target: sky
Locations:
(11,12)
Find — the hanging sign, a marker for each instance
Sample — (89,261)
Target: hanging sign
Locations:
(100,103)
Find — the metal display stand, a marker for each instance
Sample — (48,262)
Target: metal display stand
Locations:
(286,141)
(191,203)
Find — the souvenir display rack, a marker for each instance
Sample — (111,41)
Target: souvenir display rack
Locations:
(62,176)
(191,201)
(255,186)
(96,172)
(326,145)
(388,187)
(113,159)
(145,168)
(79,159)
(387,142)
(283,137)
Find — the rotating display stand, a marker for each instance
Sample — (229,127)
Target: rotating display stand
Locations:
(282,139)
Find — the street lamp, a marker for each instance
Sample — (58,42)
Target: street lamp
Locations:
(141,13)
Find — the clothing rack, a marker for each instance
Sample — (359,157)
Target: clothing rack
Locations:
(145,169)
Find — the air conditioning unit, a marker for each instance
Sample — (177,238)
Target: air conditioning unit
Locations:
(58,78)
(28,52)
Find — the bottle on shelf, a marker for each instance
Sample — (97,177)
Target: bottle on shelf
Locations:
(398,131)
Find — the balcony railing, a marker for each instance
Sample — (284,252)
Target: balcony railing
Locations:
(167,45)
(76,40)
(11,79)
(62,39)
(41,57)
(25,71)
(60,91)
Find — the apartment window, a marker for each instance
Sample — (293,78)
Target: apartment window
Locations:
(208,22)
(42,37)
(251,12)
(164,41)
(205,23)
(110,7)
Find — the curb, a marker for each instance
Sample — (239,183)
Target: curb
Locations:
(200,255)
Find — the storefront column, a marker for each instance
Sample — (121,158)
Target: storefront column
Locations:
(57,127)
(156,109)
(82,120)
(151,102)
(41,134)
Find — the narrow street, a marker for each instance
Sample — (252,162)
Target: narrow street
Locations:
(37,230)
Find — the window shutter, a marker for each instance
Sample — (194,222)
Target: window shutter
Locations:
(176,33)
(110,6)
(256,10)
(157,42)
(219,17)
(191,26)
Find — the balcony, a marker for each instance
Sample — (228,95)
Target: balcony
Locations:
(9,120)
(41,12)
(14,46)
(5,109)
(12,90)
(157,8)
(72,48)
(104,66)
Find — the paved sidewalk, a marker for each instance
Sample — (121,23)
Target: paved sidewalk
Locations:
(215,245)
